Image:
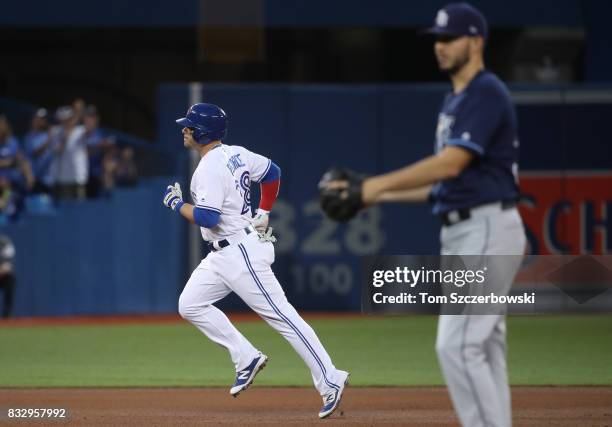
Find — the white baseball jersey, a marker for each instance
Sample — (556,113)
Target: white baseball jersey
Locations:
(222,183)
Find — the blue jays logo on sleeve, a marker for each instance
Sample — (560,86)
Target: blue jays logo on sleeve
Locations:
(234,163)
(443,130)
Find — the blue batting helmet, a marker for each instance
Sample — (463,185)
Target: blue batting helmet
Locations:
(208,122)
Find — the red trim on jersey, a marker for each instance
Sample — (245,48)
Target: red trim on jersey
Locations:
(269,193)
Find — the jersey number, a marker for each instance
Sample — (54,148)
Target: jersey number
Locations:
(245,191)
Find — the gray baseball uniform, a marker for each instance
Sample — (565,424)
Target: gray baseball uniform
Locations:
(480,217)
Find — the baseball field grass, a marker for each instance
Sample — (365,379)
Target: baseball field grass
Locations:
(397,351)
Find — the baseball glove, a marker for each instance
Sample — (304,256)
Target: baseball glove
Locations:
(341,200)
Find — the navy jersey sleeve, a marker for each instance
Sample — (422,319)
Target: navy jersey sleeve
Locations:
(477,120)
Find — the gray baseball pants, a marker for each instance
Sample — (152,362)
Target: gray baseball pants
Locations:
(471,348)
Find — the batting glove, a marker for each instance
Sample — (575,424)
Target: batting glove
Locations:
(173,198)
(260,220)
(267,236)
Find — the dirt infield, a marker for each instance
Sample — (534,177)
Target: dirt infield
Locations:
(428,406)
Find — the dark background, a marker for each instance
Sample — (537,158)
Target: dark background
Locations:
(114,55)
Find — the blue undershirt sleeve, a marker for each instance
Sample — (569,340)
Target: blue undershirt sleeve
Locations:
(206,217)
(274,173)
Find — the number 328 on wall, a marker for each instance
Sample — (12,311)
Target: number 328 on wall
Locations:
(306,229)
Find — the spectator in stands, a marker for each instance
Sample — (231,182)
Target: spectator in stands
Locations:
(8,201)
(38,149)
(126,174)
(98,146)
(120,168)
(7,276)
(70,166)
(13,163)
(78,105)
(15,170)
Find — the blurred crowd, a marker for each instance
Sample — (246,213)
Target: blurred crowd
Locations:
(64,155)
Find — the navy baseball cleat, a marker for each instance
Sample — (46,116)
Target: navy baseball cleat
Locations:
(245,377)
(331,400)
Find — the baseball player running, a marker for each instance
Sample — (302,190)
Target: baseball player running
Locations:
(241,253)
(472,182)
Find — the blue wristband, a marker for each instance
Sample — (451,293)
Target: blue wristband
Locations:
(178,206)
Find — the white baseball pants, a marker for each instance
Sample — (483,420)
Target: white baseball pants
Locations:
(244,268)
